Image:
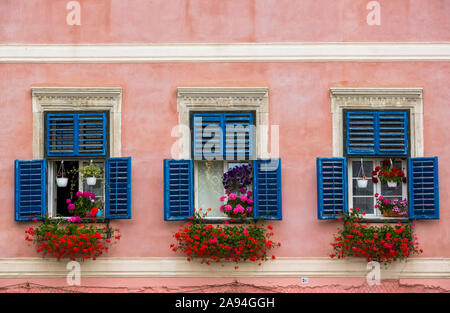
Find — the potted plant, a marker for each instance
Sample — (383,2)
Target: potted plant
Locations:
(238,201)
(388,174)
(61,179)
(85,205)
(362,182)
(391,208)
(90,173)
(384,243)
(224,242)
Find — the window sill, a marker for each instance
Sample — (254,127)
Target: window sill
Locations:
(382,219)
(221,220)
(83,220)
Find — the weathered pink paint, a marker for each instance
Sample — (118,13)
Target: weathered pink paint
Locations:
(162,21)
(299,103)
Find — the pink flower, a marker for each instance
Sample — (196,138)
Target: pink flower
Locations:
(222,198)
(71,206)
(236,211)
(68,201)
(92,195)
(232,196)
(75,219)
(228,208)
(249,193)
(250,201)
(376,195)
(79,194)
(226,191)
(222,207)
(245,232)
(381,198)
(86,194)
(386,201)
(376,206)
(249,209)
(239,208)
(242,190)
(243,198)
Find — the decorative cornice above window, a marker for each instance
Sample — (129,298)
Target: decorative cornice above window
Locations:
(223,99)
(378,99)
(77,99)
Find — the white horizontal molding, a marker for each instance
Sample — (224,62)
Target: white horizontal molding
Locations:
(179,267)
(224,52)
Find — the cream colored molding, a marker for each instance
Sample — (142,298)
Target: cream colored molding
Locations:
(179,267)
(225,52)
(77,99)
(378,98)
(223,99)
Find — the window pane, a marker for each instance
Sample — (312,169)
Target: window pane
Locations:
(388,191)
(366,169)
(210,187)
(365,204)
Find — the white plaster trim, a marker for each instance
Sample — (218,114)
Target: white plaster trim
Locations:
(179,267)
(225,52)
(77,99)
(378,99)
(224,99)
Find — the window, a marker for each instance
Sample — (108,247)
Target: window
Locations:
(372,127)
(223,133)
(73,127)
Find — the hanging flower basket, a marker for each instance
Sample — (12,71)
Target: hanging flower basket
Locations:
(392,184)
(62,181)
(91,181)
(362,183)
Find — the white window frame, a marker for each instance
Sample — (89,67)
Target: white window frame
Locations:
(377,213)
(78,99)
(376,99)
(221,99)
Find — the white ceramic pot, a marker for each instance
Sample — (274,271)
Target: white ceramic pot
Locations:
(362,183)
(91,181)
(61,181)
(392,184)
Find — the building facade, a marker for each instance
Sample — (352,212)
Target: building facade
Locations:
(321,91)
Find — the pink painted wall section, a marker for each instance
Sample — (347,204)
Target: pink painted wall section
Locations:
(299,103)
(170,21)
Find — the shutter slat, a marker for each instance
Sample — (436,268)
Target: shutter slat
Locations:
(118,189)
(423,188)
(331,187)
(178,191)
(30,189)
(267,189)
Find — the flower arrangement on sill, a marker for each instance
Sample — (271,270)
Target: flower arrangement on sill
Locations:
(384,243)
(224,242)
(85,206)
(238,201)
(65,239)
(387,174)
(391,208)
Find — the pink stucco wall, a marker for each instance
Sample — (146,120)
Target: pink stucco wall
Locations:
(162,21)
(299,103)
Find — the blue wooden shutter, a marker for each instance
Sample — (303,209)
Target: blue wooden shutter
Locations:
(393,135)
(208,142)
(267,189)
(376,133)
(61,138)
(239,136)
(92,134)
(76,134)
(118,188)
(361,133)
(178,191)
(30,199)
(423,188)
(331,187)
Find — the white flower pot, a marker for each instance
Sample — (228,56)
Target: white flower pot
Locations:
(392,184)
(362,183)
(61,181)
(91,181)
